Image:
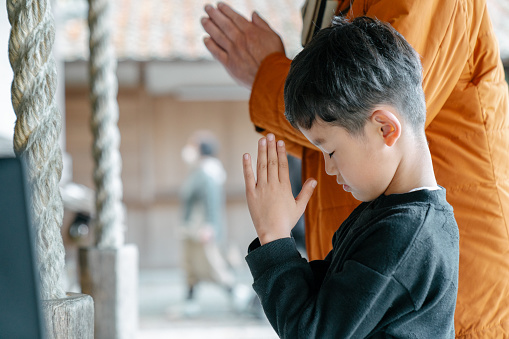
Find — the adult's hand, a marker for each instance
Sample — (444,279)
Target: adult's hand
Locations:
(238,44)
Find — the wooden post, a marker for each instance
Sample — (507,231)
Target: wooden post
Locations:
(111,276)
(71,317)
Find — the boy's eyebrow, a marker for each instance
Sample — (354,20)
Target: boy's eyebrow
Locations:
(317,142)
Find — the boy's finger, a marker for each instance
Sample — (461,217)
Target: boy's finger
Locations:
(272,159)
(305,194)
(261,167)
(284,176)
(249,178)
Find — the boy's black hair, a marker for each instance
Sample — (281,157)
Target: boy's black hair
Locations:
(350,68)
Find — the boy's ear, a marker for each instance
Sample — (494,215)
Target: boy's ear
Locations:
(388,126)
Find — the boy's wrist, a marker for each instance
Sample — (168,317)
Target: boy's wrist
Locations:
(261,258)
(264,239)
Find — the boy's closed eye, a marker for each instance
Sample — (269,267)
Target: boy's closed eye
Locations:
(331,154)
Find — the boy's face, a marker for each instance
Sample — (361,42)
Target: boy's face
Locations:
(357,161)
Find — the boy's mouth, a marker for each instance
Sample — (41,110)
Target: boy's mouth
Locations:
(345,186)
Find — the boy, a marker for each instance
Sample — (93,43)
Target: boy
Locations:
(355,93)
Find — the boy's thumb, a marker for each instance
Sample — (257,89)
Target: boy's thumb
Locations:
(305,194)
(258,21)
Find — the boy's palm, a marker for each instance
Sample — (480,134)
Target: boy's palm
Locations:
(269,197)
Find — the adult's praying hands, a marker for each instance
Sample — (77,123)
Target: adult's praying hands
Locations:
(238,44)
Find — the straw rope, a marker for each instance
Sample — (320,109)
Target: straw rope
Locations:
(103,92)
(37,131)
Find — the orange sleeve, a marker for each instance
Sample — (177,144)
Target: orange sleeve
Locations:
(266,104)
(437,29)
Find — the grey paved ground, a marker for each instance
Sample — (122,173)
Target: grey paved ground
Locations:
(164,312)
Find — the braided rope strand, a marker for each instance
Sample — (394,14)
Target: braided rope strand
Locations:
(37,131)
(103,92)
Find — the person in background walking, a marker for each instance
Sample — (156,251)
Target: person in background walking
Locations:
(202,199)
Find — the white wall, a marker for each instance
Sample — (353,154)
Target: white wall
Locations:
(7,116)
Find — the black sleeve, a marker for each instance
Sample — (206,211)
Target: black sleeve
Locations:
(299,305)
(319,269)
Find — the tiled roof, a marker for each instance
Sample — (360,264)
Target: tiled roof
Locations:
(165,29)
(170,29)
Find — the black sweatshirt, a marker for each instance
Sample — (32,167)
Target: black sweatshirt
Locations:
(392,272)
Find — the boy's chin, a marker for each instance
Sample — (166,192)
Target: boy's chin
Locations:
(362,197)
(357,196)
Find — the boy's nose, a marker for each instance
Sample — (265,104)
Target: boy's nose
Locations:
(329,166)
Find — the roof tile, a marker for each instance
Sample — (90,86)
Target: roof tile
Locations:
(165,30)
(171,30)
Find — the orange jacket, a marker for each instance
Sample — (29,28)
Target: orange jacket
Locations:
(468,132)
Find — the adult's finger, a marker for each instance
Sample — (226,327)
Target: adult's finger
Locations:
(261,167)
(219,38)
(262,40)
(217,52)
(239,21)
(284,176)
(241,66)
(249,178)
(223,22)
(272,161)
(258,21)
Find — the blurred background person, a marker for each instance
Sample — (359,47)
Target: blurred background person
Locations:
(203,204)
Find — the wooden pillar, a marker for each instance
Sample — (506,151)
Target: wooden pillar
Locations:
(111,276)
(71,317)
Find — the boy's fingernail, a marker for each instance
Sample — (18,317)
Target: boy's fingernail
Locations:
(246,156)
(270,136)
(280,143)
(313,184)
(263,141)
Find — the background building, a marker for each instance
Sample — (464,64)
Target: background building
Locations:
(169,86)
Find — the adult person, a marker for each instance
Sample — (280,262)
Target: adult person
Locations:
(467,127)
(202,200)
